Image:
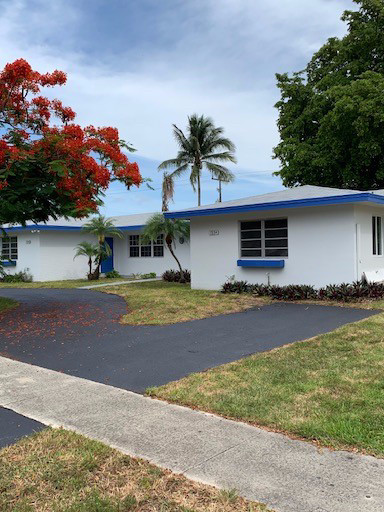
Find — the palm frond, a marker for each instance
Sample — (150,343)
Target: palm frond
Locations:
(167,164)
(225,156)
(220,172)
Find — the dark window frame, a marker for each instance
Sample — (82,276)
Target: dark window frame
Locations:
(9,248)
(152,249)
(259,242)
(377,235)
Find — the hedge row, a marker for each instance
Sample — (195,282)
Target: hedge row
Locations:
(344,292)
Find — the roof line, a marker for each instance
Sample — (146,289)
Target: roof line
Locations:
(292,203)
(44,227)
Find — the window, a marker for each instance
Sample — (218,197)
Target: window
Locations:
(134,246)
(158,247)
(138,249)
(264,238)
(377,245)
(9,248)
(146,250)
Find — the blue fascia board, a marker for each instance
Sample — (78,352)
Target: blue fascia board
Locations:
(131,228)
(42,227)
(261,263)
(279,205)
(8,263)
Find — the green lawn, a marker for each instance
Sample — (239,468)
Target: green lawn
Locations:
(60,471)
(6,304)
(329,389)
(70,283)
(160,303)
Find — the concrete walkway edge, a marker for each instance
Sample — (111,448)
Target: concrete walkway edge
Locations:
(118,283)
(287,475)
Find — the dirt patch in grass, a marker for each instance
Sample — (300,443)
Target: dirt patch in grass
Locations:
(328,389)
(60,471)
(160,303)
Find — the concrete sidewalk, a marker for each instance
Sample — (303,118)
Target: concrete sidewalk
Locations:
(118,283)
(287,475)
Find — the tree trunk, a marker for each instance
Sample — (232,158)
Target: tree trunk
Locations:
(198,189)
(169,245)
(90,269)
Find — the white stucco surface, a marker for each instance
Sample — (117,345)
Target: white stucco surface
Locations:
(49,256)
(321,248)
(367,262)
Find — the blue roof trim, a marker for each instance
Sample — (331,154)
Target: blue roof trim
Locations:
(292,203)
(131,228)
(261,263)
(44,227)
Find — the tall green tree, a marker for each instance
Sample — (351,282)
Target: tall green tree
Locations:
(203,146)
(331,115)
(101,227)
(171,229)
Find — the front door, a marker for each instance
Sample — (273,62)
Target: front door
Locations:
(107,265)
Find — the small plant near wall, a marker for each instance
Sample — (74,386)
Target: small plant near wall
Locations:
(344,292)
(150,275)
(19,277)
(112,274)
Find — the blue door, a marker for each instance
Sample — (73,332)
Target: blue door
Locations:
(107,265)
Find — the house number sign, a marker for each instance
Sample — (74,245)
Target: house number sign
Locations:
(213,232)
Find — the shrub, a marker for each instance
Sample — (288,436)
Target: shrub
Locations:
(18,277)
(150,275)
(344,292)
(112,274)
(173,276)
(236,287)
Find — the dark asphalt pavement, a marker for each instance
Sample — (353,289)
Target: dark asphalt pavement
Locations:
(14,426)
(77,332)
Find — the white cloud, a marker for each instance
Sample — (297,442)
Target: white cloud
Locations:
(221,63)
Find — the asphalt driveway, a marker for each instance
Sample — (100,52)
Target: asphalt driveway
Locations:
(78,332)
(13,426)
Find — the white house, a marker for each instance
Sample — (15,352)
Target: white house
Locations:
(304,235)
(47,250)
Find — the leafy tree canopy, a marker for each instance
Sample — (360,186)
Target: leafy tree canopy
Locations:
(331,115)
(52,170)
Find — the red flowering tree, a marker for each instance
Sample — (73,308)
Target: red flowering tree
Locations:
(50,166)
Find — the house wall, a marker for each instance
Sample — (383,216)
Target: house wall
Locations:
(366,260)
(321,248)
(28,246)
(49,256)
(57,251)
(126,265)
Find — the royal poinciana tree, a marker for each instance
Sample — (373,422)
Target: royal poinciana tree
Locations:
(331,115)
(50,166)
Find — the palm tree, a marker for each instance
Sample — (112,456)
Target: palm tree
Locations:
(171,229)
(167,191)
(90,250)
(203,146)
(101,227)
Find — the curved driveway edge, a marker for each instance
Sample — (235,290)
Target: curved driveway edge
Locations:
(287,475)
(78,332)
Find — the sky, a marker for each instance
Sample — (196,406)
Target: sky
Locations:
(142,65)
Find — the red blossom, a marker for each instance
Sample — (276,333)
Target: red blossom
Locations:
(84,161)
